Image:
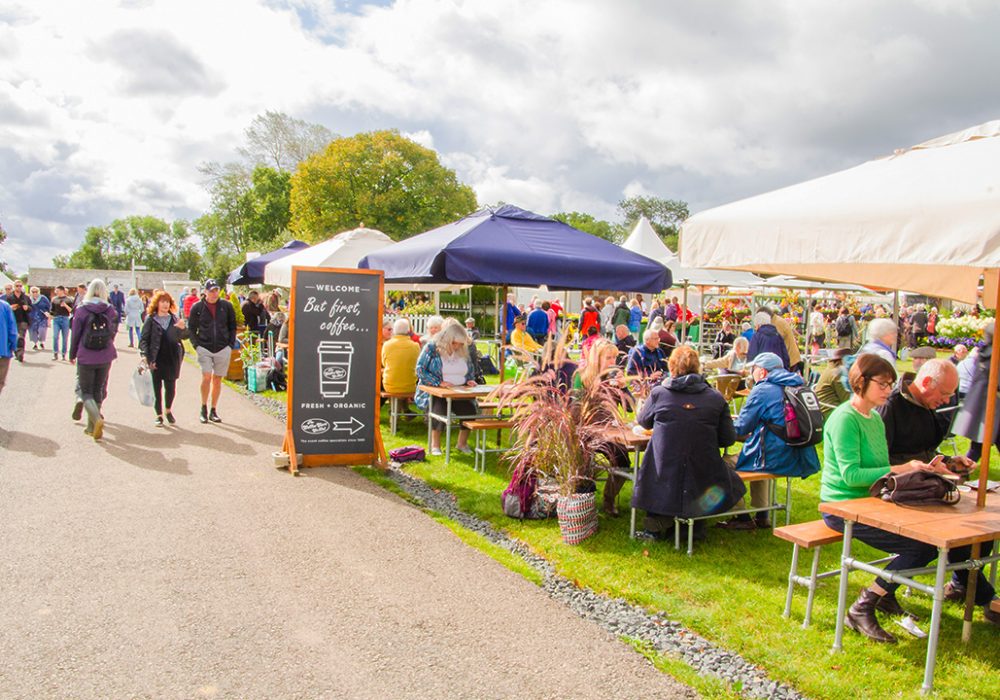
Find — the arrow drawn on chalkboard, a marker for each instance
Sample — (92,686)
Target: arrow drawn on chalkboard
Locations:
(352,426)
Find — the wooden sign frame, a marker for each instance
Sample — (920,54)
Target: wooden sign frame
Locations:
(376,458)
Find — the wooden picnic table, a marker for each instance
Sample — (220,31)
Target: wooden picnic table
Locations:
(944,527)
(450,394)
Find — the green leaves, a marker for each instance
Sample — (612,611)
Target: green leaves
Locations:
(144,240)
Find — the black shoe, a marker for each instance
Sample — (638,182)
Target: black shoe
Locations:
(204,415)
(214,417)
(170,418)
(55,356)
(650,536)
(158,422)
(78,410)
(737,523)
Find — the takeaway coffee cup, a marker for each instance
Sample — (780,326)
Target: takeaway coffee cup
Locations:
(334,368)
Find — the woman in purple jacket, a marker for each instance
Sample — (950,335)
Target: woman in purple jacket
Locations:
(92,348)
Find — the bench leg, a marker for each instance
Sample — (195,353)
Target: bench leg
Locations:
(788,501)
(393,414)
(677,533)
(792,574)
(812,588)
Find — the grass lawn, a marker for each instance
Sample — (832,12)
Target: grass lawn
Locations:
(732,591)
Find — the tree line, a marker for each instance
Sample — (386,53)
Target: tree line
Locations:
(293,179)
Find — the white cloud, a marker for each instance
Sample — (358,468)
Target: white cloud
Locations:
(107,108)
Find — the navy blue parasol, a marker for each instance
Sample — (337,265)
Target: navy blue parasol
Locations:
(252,271)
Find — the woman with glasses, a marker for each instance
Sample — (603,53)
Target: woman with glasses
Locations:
(856,455)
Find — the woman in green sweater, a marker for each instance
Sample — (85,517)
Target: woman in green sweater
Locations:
(856,456)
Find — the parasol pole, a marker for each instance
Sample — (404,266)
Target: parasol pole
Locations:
(984,465)
(684,313)
(895,316)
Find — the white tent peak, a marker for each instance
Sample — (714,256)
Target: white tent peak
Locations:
(645,241)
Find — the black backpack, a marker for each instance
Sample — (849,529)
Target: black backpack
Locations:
(276,380)
(97,332)
(803,418)
(843,326)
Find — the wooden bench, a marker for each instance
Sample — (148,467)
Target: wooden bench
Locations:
(479,428)
(747,478)
(394,412)
(812,535)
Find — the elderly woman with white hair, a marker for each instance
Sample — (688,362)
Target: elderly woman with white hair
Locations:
(433,327)
(445,361)
(734,361)
(766,338)
(92,348)
(882,334)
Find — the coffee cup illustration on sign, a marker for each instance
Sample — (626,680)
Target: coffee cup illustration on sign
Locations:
(334,368)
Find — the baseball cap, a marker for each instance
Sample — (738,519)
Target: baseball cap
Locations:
(210,284)
(768,361)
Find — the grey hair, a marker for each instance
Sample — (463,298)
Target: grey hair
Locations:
(435,321)
(656,324)
(761,318)
(741,342)
(937,369)
(650,333)
(401,327)
(97,290)
(880,328)
(451,331)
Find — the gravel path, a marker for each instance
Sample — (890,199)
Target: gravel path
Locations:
(615,615)
(179,563)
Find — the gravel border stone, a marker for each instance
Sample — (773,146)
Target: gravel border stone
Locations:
(615,615)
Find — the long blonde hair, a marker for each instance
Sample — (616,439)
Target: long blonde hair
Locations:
(452,331)
(592,371)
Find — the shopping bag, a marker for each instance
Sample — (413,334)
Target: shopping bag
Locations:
(141,386)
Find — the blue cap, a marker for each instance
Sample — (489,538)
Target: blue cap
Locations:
(768,361)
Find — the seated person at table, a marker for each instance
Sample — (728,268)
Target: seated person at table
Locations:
(724,340)
(624,341)
(647,359)
(444,361)
(682,472)
(592,336)
(601,368)
(766,338)
(831,387)
(855,456)
(668,341)
(399,360)
(734,361)
(763,450)
(913,427)
(470,328)
(520,339)
(882,336)
(538,323)
(959,353)
(433,327)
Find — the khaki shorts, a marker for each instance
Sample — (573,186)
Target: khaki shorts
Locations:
(216,363)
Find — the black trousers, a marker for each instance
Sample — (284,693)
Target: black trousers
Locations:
(164,388)
(93,385)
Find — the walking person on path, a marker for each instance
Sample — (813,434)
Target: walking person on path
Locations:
(212,325)
(117,300)
(38,328)
(92,348)
(8,340)
(133,316)
(60,308)
(160,346)
(20,304)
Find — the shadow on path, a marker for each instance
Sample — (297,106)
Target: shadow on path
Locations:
(39,446)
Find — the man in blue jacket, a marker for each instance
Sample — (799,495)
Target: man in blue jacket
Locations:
(766,338)
(8,340)
(763,450)
(117,300)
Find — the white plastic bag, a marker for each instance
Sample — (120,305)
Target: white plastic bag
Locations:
(141,386)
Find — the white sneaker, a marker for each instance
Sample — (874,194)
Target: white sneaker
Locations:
(465,450)
(436,452)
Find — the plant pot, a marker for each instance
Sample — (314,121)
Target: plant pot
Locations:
(577,516)
(235,372)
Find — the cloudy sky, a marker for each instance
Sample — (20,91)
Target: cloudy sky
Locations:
(107,107)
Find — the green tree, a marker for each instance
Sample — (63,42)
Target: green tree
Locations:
(380,179)
(666,215)
(144,240)
(276,140)
(3,237)
(596,227)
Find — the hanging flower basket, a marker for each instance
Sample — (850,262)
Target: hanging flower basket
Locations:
(577,517)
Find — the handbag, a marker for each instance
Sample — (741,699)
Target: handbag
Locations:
(141,386)
(916,488)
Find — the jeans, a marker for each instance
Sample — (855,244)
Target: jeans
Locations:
(138,332)
(93,381)
(38,332)
(60,329)
(912,554)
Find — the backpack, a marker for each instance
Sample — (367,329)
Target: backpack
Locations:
(276,380)
(97,331)
(410,453)
(843,326)
(803,418)
(487,366)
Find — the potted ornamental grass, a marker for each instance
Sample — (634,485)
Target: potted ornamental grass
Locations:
(560,431)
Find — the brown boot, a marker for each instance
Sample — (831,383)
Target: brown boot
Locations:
(890,606)
(861,618)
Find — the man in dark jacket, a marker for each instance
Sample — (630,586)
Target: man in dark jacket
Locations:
(212,325)
(766,338)
(117,300)
(20,304)
(254,313)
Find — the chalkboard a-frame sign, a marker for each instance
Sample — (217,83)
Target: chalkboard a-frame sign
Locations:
(334,374)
